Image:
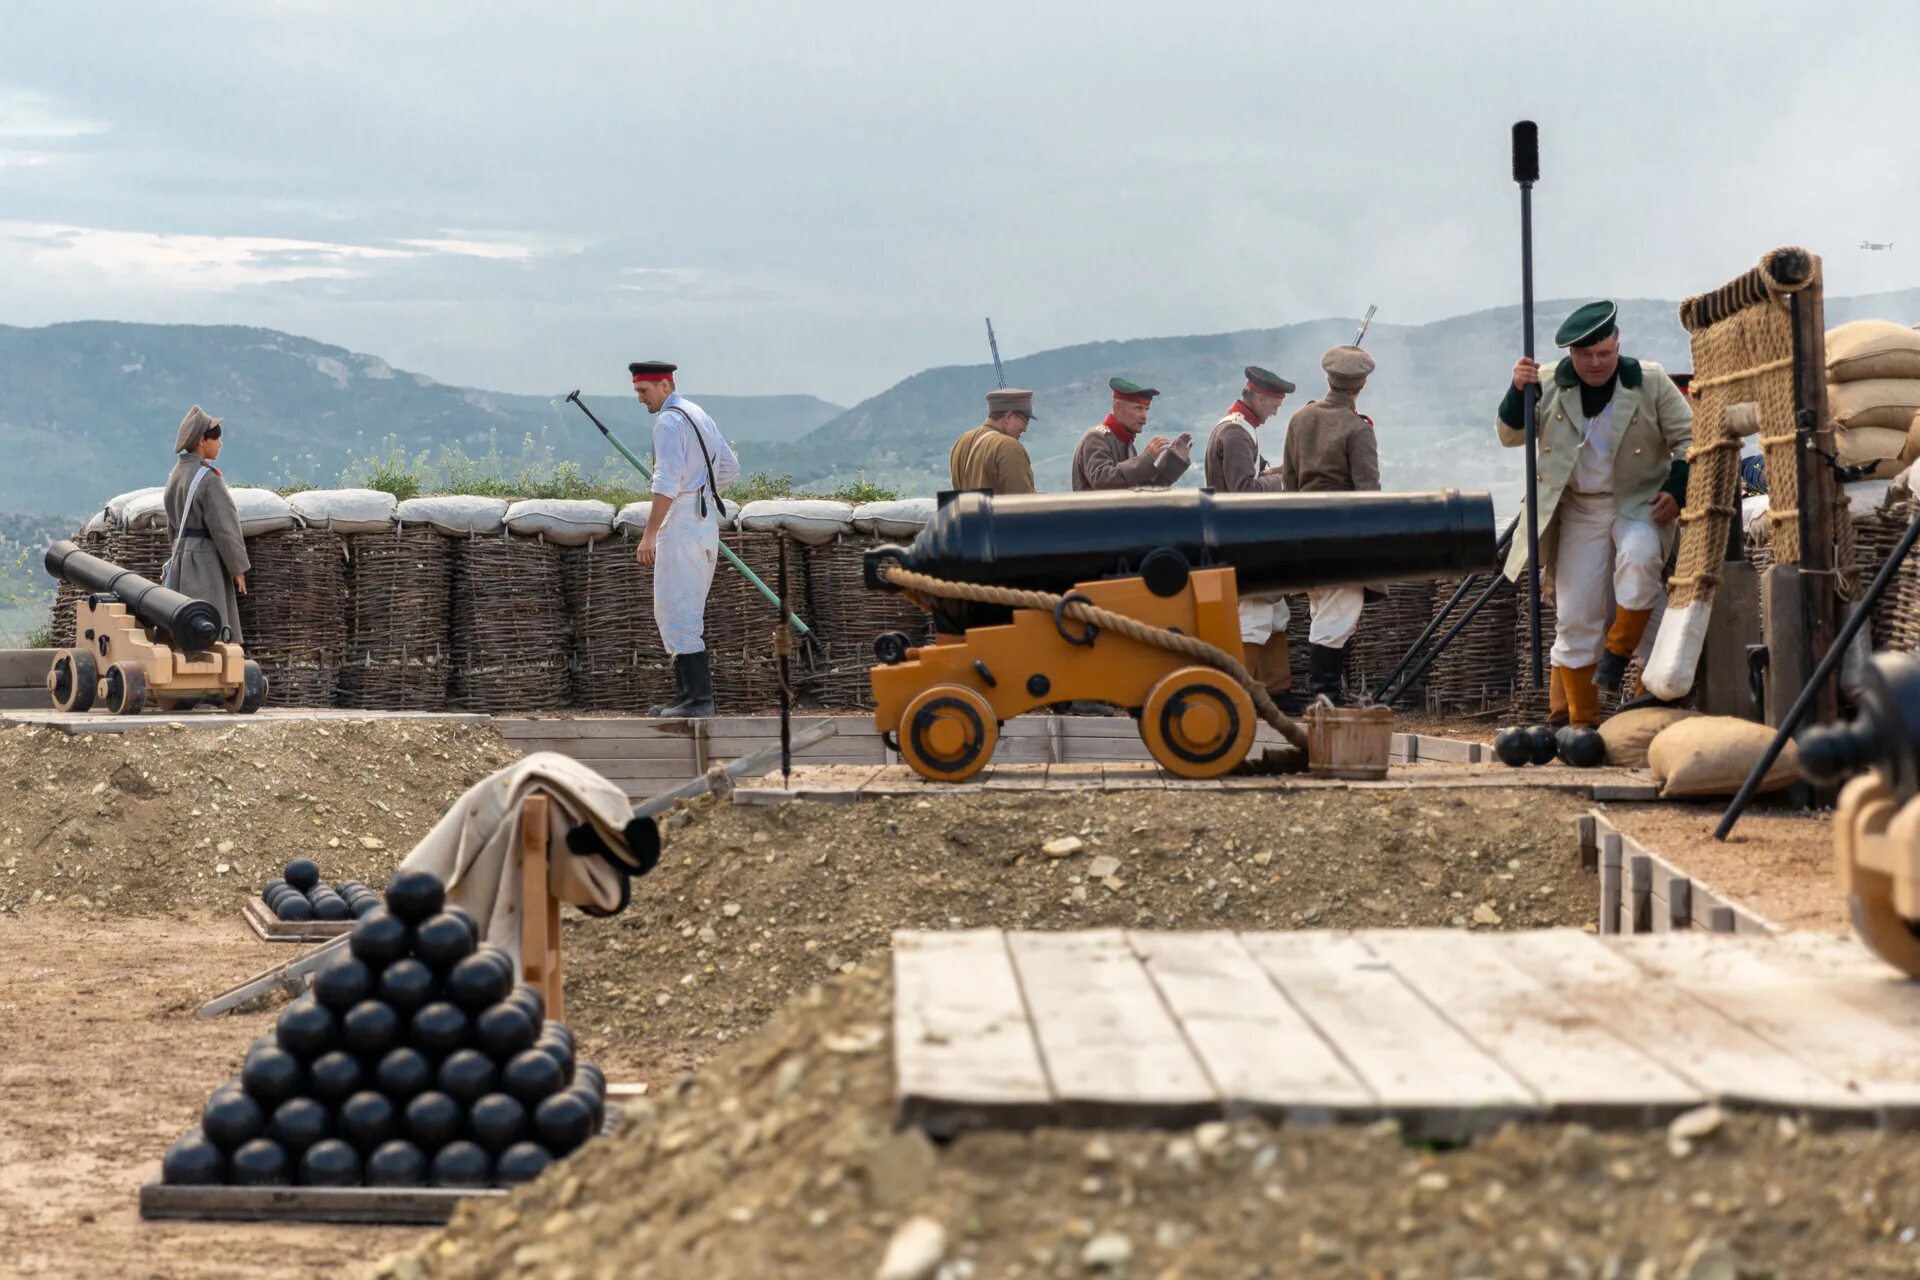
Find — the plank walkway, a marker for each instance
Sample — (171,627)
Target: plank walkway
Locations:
(1450,1032)
(78,722)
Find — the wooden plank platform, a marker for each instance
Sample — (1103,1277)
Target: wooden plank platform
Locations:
(1452,1033)
(270,928)
(105,722)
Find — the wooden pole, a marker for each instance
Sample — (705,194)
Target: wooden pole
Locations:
(539,909)
(1819,491)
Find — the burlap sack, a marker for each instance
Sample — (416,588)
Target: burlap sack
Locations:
(1910,452)
(1868,349)
(1628,733)
(1878,402)
(1712,755)
(1884,448)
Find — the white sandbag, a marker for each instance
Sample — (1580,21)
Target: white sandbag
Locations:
(1753,516)
(96,523)
(345,510)
(901,518)
(1712,756)
(458,515)
(147,511)
(116,507)
(1866,496)
(1878,447)
(1676,650)
(570,522)
(810,520)
(632,518)
(262,511)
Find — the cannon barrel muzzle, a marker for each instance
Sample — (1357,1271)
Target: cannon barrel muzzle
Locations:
(1273,541)
(191,625)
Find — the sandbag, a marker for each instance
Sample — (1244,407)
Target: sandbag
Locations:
(900,518)
(810,520)
(345,510)
(458,515)
(1877,402)
(147,510)
(1867,349)
(569,522)
(96,523)
(1878,446)
(262,511)
(1712,756)
(632,518)
(1628,734)
(116,507)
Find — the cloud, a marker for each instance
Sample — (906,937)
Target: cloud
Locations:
(184,262)
(26,116)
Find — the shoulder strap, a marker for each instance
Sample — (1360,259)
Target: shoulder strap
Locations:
(186,510)
(719,509)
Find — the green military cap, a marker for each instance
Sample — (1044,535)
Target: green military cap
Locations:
(1010,400)
(1587,325)
(1268,381)
(651,369)
(1132,390)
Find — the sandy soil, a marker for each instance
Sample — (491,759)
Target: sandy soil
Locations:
(1778,863)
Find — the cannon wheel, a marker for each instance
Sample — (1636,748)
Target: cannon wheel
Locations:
(252,692)
(73,679)
(1197,722)
(1886,933)
(947,733)
(126,689)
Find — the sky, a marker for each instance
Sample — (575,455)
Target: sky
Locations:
(827,198)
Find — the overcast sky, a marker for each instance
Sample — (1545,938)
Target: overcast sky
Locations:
(827,198)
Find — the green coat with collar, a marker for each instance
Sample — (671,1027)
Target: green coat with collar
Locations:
(1652,428)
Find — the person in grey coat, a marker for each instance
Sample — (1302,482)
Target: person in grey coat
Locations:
(209,560)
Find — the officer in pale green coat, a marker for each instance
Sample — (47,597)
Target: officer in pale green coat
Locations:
(1613,436)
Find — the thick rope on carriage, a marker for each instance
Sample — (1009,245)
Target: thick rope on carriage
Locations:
(920,585)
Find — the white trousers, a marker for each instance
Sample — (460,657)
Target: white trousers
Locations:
(1336,612)
(1263,617)
(684,556)
(1599,560)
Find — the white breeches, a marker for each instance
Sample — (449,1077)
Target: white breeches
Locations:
(1599,560)
(1263,617)
(684,557)
(1336,612)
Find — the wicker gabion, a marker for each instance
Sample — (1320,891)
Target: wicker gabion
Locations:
(1388,629)
(1530,705)
(847,616)
(294,615)
(615,656)
(510,634)
(67,595)
(145,551)
(399,634)
(741,623)
(1475,674)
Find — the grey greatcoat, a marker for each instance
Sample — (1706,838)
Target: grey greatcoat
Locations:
(207,540)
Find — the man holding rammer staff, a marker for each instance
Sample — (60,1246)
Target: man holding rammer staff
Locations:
(1613,433)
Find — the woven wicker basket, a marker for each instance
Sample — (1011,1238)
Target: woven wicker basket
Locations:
(294,615)
(399,635)
(847,616)
(510,634)
(616,658)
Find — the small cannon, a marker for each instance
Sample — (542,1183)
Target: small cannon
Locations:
(135,639)
(1176,561)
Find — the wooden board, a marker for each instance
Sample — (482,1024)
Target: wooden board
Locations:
(103,722)
(409,1206)
(968,1047)
(270,928)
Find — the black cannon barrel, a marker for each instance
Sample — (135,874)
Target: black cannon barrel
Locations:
(192,625)
(1273,541)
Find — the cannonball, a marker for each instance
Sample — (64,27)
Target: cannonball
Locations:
(432,1120)
(275,897)
(532,1076)
(528,995)
(231,1119)
(271,1076)
(320,890)
(343,983)
(1540,741)
(521,1162)
(442,941)
(364,905)
(557,1049)
(465,917)
(467,1075)
(403,1073)
(302,874)
(396,1164)
(379,938)
(562,1122)
(293,907)
(559,1031)
(231,1087)
(461,1164)
(1581,746)
(332,907)
(1512,747)
(367,1119)
(475,983)
(503,1031)
(335,1076)
(497,1121)
(306,1028)
(265,1040)
(298,1123)
(370,1028)
(412,896)
(193,1162)
(592,1077)
(595,1104)
(346,887)
(409,986)
(330,1163)
(274,890)
(438,1029)
(500,958)
(260,1163)
(278,882)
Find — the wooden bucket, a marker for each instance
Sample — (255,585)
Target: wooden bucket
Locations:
(1348,742)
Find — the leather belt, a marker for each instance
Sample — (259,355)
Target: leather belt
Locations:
(195,533)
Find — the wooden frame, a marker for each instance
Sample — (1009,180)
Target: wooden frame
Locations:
(270,928)
(540,922)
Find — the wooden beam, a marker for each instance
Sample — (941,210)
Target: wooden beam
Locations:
(1819,491)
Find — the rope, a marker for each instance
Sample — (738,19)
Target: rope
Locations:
(920,585)
(1701,384)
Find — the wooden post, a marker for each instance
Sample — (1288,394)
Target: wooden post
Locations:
(1679,904)
(1610,845)
(1640,892)
(1819,491)
(539,909)
(1587,829)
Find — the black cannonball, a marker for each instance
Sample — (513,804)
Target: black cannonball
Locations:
(1540,741)
(557,1049)
(559,1031)
(343,886)
(231,1087)
(331,907)
(433,1120)
(364,906)
(465,917)
(293,907)
(370,1028)
(333,1077)
(467,1075)
(461,1164)
(302,874)
(528,995)
(412,896)
(306,1028)
(343,983)
(504,1030)
(500,958)
(278,882)
(532,1076)
(403,1073)
(231,1119)
(562,1122)
(438,1029)
(396,1164)
(260,1163)
(379,938)
(193,1162)
(595,1104)
(367,1119)
(276,890)
(271,1076)
(592,1077)
(1512,748)
(497,1121)
(475,983)
(320,890)
(265,1040)
(521,1162)
(1580,746)
(442,941)
(330,1163)
(408,986)
(298,1123)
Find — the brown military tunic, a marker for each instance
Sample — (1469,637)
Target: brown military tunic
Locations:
(1108,459)
(985,458)
(1330,449)
(1234,464)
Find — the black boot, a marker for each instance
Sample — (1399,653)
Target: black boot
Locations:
(1323,672)
(1611,670)
(693,679)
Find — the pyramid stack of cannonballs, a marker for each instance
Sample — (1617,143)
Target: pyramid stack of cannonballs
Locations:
(415,1060)
(298,893)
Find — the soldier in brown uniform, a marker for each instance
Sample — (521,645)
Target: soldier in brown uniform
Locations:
(1234,465)
(1106,457)
(1330,449)
(990,456)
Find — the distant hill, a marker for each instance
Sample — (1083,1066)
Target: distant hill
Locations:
(88,410)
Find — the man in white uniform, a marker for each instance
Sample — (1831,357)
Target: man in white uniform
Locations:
(692,463)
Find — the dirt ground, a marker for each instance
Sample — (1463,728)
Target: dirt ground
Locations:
(1779,863)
